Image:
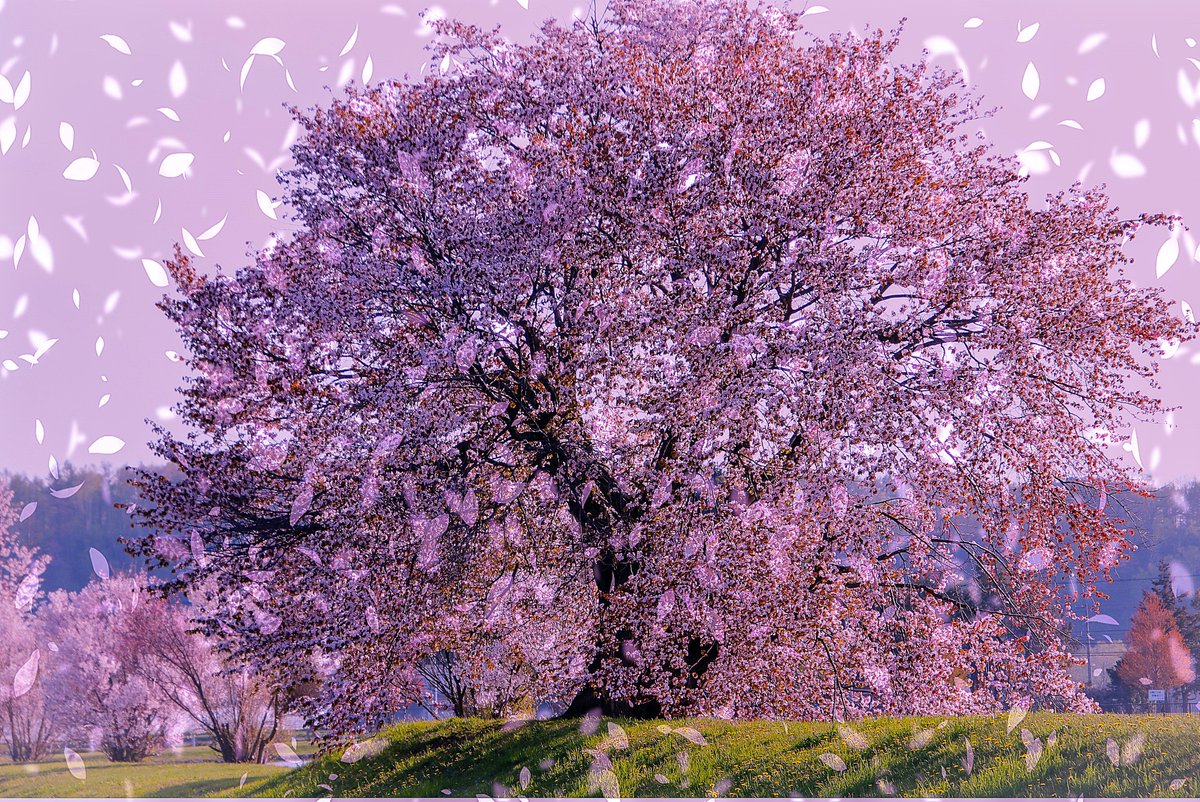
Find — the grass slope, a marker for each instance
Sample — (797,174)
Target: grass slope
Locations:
(192,772)
(904,757)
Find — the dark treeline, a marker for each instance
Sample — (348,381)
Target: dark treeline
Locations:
(66,528)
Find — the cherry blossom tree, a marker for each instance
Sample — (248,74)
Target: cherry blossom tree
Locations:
(96,686)
(26,726)
(1157,656)
(234,704)
(707,366)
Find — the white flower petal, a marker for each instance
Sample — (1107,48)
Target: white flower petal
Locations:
(81,169)
(118,44)
(175,164)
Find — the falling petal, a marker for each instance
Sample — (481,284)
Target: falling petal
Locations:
(66,135)
(1141,133)
(1167,255)
(155,272)
(288,754)
(112,87)
(301,505)
(124,178)
(1096,90)
(28,510)
(99,563)
(1015,716)
(921,739)
(264,203)
(269,46)
(190,243)
(1131,752)
(367,70)
(245,71)
(1126,166)
(973,22)
(832,761)
(692,735)
(26,675)
(27,591)
(175,164)
(169,113)
(75,764)
(21,93)
(364,749)
(1028,32)
(66,492)
(118,44)
(81,169)
(1091,42)
(177,79)
(1113,751)
(108,444)
(349,43)
(1030,82)
(1036,559)
(214,230)
(852,737)
(8,134)
(1103,619)
(525,777)
(617,736)
(1033,753)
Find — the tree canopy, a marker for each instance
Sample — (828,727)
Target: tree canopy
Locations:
(675,361)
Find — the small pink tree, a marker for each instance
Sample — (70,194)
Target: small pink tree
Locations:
(236,705)
(95,686)
(26,727)
(727,357)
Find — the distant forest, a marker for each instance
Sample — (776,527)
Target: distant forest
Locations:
(1163,528)
(66,528)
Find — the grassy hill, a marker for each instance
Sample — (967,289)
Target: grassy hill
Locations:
(1044,755)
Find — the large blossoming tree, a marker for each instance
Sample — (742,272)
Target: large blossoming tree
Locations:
(672,361)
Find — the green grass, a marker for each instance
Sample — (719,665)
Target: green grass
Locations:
(468,757)
(192,772)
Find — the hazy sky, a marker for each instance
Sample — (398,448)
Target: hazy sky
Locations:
(72,97)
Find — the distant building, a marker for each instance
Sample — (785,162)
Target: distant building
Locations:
(1103,657)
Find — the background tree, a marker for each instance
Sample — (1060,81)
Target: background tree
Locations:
(95,686)
(1172,586)
(1157,656)
(724,350)
(233,704)
(26,727)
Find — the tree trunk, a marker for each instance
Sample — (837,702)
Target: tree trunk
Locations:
(592,698)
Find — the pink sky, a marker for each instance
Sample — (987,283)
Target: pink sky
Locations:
(1138,135)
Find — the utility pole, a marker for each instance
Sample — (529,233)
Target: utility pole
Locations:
(1087,628)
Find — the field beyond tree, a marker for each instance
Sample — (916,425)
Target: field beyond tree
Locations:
(191,772)
(1043,755)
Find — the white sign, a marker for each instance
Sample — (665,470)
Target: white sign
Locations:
(1158,696)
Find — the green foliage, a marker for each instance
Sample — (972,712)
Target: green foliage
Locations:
(768,759)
